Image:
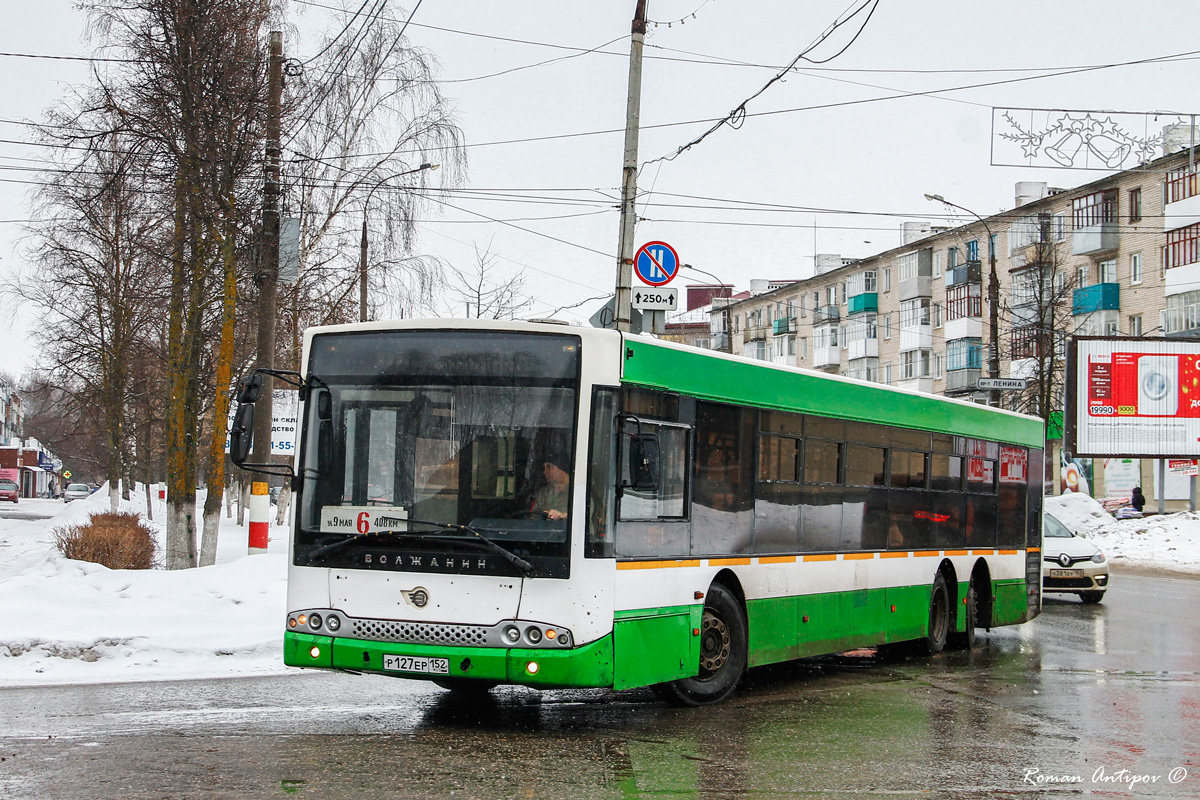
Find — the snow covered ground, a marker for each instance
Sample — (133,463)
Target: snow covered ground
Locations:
(69,621)
(73,622)
(1170,542)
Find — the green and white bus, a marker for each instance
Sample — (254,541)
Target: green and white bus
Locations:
(530,503)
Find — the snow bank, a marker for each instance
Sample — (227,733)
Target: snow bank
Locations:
(77,622)
(1168,542)
(1081,513)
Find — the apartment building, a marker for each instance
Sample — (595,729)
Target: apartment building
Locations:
(1117,256)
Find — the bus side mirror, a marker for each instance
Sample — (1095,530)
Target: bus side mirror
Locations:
(643,462)
(241,435)
(249,389)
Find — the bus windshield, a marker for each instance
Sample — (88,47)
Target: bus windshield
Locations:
(453,428)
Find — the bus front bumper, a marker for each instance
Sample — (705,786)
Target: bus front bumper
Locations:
(589,665)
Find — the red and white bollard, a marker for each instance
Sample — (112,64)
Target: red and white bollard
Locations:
(260,517)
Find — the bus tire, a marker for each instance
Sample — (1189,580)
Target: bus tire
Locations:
(465,686)
(965,640)
(723,653)
(939,616)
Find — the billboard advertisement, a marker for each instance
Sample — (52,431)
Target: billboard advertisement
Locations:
(1134,397)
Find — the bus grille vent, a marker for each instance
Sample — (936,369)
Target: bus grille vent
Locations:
(418,633)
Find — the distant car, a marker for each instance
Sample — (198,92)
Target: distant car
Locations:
(76,491)
(1071,564)
(9,491)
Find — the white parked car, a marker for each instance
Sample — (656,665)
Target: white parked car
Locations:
(76,491)
(1071,564)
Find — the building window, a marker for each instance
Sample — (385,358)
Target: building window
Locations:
(952,258)
(915,312)
(964,300)
(1094,209)
(887,326)
(1081,276)
(887,279)
(887,374)
(1183,246)
(964,354)
(907,264)
(937,365)
(937,264)
(804,347)
(1107,271)
(862,282)
(1135,326)
(973,250)
(1135,268)
(1135,204)
(937,315)
(915,364)
(831,296)
(1181,184)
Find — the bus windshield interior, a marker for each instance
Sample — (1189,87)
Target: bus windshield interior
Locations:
(387,452)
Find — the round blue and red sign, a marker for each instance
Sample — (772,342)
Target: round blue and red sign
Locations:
(656,263)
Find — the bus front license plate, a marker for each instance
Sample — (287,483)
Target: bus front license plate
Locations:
(1066,573)
(428,666)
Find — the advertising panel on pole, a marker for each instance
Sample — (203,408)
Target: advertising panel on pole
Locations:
(1133,397)
(285,422)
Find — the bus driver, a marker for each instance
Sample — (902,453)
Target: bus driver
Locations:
(551,499)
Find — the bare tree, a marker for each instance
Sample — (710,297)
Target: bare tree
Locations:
(373,132)
(98,285)
(1039,310)
(484,296)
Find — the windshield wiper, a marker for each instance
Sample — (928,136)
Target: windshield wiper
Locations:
(521,564)
(524,566)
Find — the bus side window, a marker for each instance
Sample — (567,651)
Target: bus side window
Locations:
(602,475)
(667,498)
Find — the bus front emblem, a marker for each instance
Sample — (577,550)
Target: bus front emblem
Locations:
(418,597)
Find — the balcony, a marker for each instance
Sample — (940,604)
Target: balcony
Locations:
(1097,297)
(916,384)
(970,272)
(784,326)
(962,381)
(867,301)
(862,348)
(1092,239)
(963,328)
(825,314)
(1183,321)
(918,337)
(755,333)
(920,286)
(720,341)
(1182,199)
(827,357)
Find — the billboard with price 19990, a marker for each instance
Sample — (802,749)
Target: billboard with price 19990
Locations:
(1133,397)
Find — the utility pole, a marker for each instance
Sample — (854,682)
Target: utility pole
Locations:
(267,277)
(362,270)
(633,110)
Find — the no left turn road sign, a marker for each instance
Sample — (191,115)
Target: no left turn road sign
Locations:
(656,263)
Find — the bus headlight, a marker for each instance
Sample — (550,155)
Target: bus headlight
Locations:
(512,635)
(314,621)
(333,622)
(534,635)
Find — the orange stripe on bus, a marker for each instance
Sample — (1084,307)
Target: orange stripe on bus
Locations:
(656,564)
(956,552)
(858,556)
(893,555)
(920,553)
(777,559)
(1009,552)
(723,562)
(822,557)
(983,552)
(1035,549)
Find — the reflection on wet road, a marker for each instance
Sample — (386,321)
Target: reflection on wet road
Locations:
(1086,700)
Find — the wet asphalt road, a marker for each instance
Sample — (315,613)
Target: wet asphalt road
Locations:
(1103,699)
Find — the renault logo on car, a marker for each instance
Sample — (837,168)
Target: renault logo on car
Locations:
(1063,559)
(417,597)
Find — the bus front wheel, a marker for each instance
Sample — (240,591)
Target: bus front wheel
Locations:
(939,616)
(723,640)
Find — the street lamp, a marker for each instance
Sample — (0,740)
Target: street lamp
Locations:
(362,252)
(993,299)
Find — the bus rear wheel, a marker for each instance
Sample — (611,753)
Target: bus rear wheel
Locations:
(939,616)
(723,645)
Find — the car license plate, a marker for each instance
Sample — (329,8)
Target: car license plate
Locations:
(1066,573)
(429,666)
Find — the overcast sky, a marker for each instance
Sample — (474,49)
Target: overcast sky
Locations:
(873,160)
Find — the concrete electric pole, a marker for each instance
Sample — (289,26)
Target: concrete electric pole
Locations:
(624,297)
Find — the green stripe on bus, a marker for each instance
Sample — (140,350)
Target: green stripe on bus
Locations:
(703,376)
(589,666)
